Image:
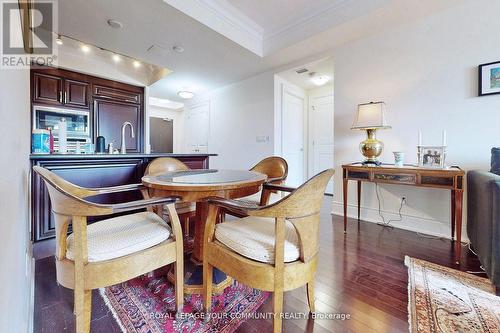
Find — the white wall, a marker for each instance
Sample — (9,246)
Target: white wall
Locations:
(15,272)
(177,116)
(238,114)
(426,72)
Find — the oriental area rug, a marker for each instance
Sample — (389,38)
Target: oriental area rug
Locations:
(441,299)
(147,304)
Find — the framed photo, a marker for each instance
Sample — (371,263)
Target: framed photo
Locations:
(432,156)
(489,79)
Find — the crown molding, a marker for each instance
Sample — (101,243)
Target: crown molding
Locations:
(222,17)
(328,17)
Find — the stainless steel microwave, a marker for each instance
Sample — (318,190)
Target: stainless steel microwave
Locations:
(78,121)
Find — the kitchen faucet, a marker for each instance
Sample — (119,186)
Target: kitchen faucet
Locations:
(123,149)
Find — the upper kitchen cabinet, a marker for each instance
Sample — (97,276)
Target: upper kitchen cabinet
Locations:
(108,104)
(109,118)
(76,93)
(117,94)
(47,89)
(61,91)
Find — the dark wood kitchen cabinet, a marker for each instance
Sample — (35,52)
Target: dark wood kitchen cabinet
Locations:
(110,103)
(89,173)
(54,90)
(76,93)
(47,89)
(109,117)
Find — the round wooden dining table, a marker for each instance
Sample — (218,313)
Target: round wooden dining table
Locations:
(196,186)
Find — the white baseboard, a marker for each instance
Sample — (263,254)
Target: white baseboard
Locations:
(413,223)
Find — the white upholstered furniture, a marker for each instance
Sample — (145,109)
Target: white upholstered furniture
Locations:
(113,250)
(275,248)
(254,237)
(120,236)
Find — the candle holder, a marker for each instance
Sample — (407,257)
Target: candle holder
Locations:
(431,156)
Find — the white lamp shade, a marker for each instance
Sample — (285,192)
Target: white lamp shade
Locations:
(370,115)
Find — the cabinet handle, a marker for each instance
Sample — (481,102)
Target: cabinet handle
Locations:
(60,96)
(65,97)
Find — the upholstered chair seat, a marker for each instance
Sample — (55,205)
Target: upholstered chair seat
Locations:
(254,237)
(120,236)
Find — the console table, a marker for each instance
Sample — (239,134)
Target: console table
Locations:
(451,178)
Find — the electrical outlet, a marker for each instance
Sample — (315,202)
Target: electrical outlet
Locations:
(403,199)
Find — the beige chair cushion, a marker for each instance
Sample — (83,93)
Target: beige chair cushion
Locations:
(123,235)
(254,238)
(255,198)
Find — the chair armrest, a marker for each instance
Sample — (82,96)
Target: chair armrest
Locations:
(138,204)
(274,180)
(233,205)
(277,187)
(115,189)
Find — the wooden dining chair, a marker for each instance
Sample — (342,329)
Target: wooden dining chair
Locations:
(113,250)
(185,210)
(274,248)
(276,170)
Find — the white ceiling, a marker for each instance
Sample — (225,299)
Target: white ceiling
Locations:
(303,80)
(220,50)
(278,14)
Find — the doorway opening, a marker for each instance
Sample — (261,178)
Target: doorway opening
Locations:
(304,119)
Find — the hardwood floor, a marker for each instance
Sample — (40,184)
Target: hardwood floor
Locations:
(361,274)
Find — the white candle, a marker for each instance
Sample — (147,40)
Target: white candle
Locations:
(444,138)
(419,138)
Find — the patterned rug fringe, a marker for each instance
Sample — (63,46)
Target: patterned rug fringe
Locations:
(113,312)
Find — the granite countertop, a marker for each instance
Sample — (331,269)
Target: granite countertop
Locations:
(111,156)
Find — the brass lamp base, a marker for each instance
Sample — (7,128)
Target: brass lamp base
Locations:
(371,148)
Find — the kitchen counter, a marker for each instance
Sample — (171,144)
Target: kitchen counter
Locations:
(35,157)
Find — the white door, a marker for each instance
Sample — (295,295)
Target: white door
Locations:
(197,128)
(321,136)
(293,141)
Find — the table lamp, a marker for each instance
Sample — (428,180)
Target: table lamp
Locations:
(370,117)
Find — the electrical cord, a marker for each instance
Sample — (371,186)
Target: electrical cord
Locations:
(388,222)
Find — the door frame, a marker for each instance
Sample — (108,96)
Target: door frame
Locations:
(281,87)
(310,136)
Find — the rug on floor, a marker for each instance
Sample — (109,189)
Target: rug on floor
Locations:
(147,304)
(443,299)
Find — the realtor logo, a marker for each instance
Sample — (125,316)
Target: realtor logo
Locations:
(28,33)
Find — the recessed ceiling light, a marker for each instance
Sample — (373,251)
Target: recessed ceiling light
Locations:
(116,58)
(137,64)
(320,79)
(59,41)
(85,48)
(178,49)
(185,94)
(115,24)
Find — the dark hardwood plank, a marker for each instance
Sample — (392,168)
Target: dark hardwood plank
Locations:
(361,274)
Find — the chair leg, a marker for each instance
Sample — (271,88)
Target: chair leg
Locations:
(83,306)
(207,285)
(310,296)
(186,226)
(179,282)
(277,309)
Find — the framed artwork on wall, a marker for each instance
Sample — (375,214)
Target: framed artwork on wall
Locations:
(489,78)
